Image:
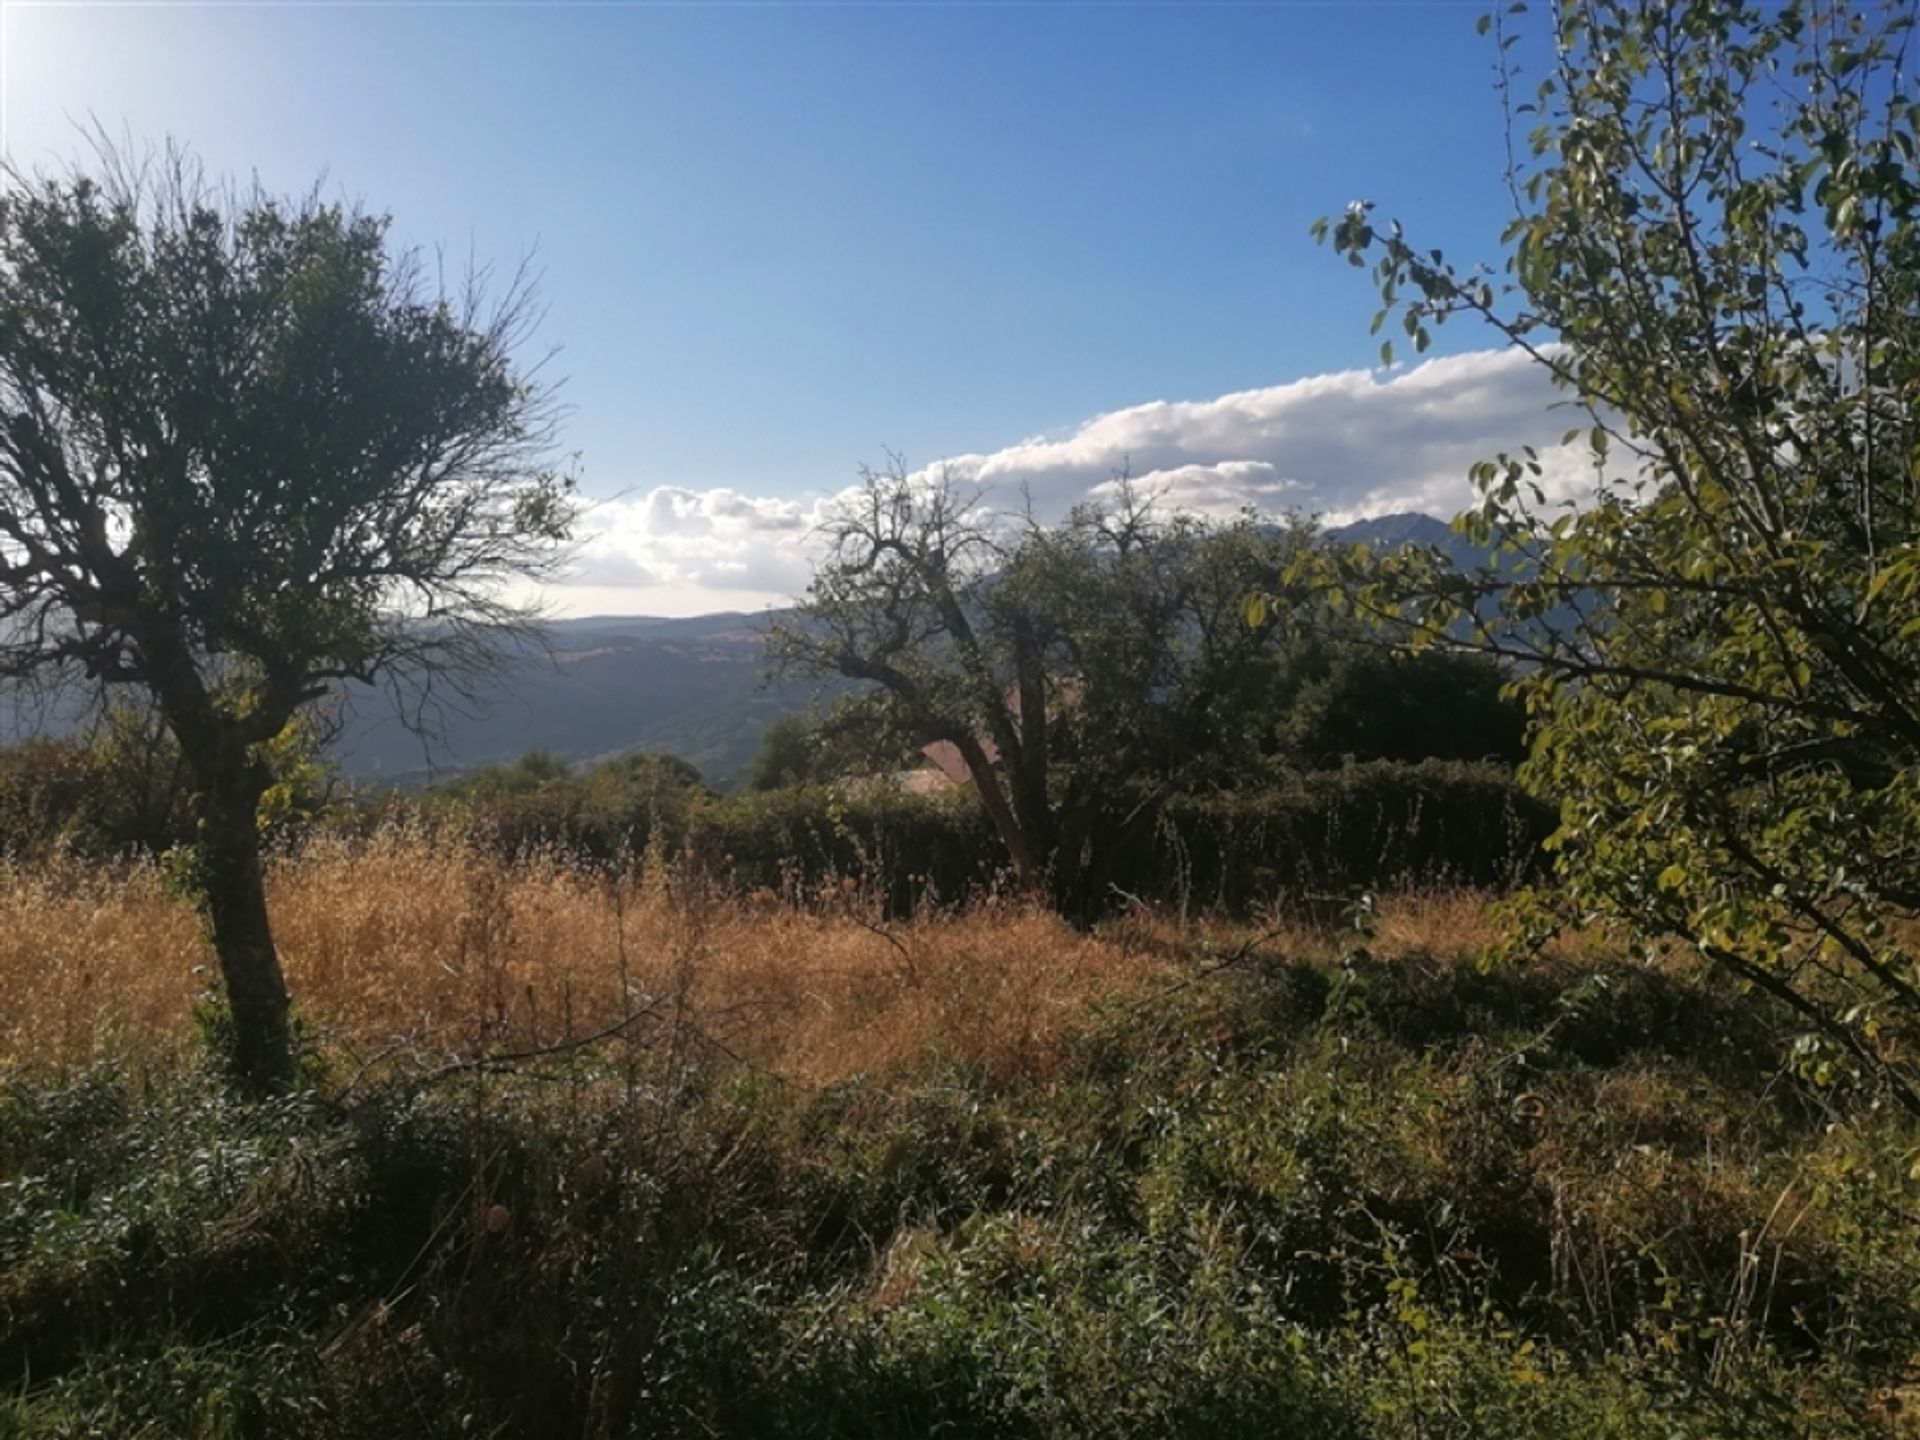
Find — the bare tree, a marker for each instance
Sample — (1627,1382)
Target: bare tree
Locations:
(1080,670)
(249,455)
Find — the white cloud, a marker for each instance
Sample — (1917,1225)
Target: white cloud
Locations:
(1342,445)
(680,551)
(1225,488)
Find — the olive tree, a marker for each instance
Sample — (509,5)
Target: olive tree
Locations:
(248,455)
(1715,253)
(1079,670)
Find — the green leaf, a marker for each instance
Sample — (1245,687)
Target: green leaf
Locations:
(1736,739)
(1880,581)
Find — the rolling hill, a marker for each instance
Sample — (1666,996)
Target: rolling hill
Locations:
(613,685)
(693,687)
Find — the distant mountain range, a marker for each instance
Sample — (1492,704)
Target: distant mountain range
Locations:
(693,687)
(1409,528)
(613,685)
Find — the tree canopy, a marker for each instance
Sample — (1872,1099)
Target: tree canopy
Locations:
(1078,671)
(249,454)
(1715,253)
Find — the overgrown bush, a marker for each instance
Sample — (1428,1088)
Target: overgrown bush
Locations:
(1315,833)
(912,848)
(1330,832)
(1385,1199)
(609,811)
(1338,832)
(122,789)
(119,794)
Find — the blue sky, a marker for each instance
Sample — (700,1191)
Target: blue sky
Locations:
(778,238)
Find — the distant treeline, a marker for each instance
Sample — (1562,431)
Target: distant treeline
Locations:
(1295,836)
(1307,836)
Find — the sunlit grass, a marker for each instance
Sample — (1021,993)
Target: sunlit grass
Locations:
(424,941)
(969,1172)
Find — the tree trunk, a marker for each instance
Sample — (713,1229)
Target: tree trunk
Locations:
(234,896)
(1025,863)
(1028,765)
(1075,882)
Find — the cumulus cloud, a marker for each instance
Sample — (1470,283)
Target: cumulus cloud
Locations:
(1342,445)
(1346,444)
(679,551)
(1225,488)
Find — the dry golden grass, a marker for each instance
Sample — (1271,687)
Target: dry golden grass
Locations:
(416,942)
(95,961)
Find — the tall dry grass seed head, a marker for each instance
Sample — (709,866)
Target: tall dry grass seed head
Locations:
(423,941)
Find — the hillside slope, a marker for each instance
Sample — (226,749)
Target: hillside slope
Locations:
(610,686)
(695,687)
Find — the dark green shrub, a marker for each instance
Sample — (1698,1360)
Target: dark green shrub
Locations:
(1358,704)
(795,842)
(1320,833)
(1360,827)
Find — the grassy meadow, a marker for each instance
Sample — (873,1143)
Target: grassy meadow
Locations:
(594,1151)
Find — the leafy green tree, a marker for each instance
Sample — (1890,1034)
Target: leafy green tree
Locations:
(249,455)
(642,798)
(851,737)
(535,770)
(654,771)
(653,792)
(1347,700)
(1078,672)
(785,756)
(1715,253)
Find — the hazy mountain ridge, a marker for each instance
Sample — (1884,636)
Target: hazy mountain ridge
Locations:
(609,686)
(692,686)
(1412,528)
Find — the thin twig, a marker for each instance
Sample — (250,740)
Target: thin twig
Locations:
(906,955)
(1237,956)
(538,1052)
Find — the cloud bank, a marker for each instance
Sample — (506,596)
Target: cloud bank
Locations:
(1343,445)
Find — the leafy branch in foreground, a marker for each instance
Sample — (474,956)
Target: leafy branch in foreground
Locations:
(1716,255)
